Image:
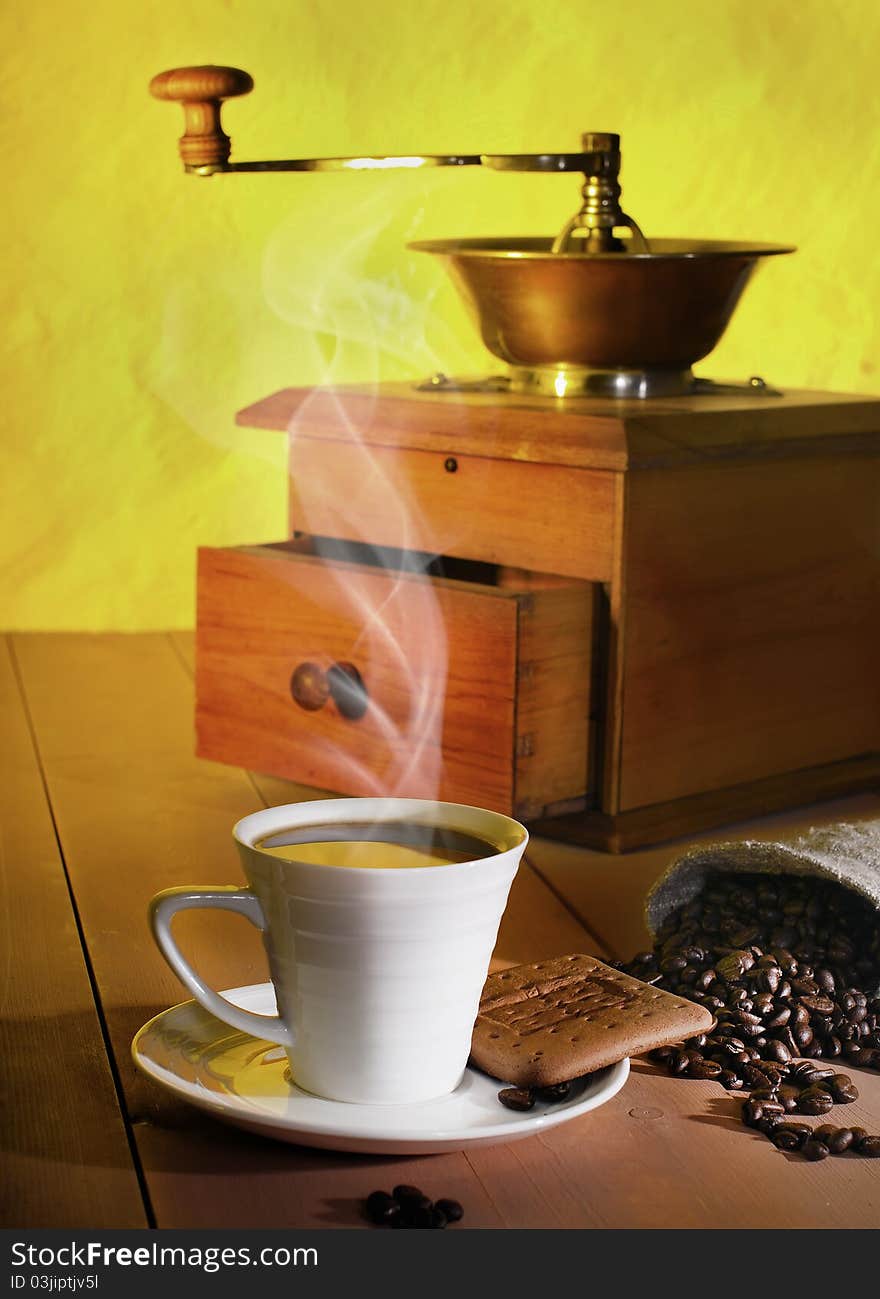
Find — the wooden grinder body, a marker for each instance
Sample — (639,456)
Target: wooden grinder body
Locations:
(657,616)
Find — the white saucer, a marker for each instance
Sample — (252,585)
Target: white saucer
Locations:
(244,1081)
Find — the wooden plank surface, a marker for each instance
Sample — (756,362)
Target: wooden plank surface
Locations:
(136,812)
(65,1159)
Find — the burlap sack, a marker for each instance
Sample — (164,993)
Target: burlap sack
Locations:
(847,853)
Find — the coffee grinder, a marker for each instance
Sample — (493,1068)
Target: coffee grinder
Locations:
(658,593)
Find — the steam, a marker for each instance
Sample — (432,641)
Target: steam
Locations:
(358,324)
(365,309)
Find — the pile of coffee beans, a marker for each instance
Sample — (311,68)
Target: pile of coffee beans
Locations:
(523,1098)
(408,1207)
(790,968)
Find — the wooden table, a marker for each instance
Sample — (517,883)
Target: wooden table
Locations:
(101,804)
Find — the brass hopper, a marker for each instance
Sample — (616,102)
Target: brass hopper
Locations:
(586,312)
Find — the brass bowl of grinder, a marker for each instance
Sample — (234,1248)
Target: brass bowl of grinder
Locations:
(586,312)
(620,323)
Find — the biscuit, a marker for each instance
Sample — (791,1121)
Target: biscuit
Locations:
(570,1015)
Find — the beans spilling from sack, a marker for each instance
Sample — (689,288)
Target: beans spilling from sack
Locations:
(790,968)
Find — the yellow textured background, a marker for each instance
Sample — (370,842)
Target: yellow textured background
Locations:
(142,307)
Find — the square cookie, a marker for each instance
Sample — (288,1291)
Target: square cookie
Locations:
(571,1015)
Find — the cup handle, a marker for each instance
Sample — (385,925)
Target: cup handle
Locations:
(163,908)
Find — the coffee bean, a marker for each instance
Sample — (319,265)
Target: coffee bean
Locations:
(672,964)
(417,1215)
(821,1005)
(752,1113)
(451,1208)
(381,1207)
(803,1035)
(813,1100)
(754,1076)
(728,1079)
(777,1051)
(517,1098)
(840,1141)
(788,1098)
(786,1037)
(790,1136)
(843,1089)
(785,960)
(748,1021)
(773,1074)
(733,965)
(409,1194)
(769,1123)
(815,1150)
(771,1109)
(439,1219)
(705,1069)
(554,1093)
(821,1072)
(771,978)
(869,1147)
(824,1132)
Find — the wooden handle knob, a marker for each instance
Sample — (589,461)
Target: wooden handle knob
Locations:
(309,687)
(201,91)
(347,690)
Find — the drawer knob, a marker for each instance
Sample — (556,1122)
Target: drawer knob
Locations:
(347,690)
(309,687)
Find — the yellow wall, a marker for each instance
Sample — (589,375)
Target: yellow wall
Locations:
(143,307)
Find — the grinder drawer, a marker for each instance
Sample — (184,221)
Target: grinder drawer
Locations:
(363,679)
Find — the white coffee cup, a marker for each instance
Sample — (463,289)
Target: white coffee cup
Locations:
(377,973)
